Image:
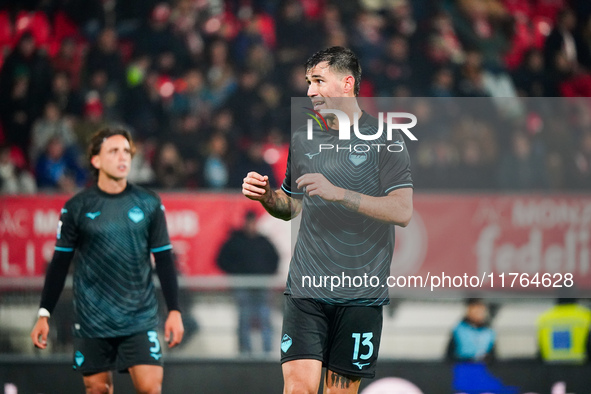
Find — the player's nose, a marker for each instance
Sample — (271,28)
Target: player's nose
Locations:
(312,92)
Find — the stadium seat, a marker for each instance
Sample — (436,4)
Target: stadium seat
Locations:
(6,32)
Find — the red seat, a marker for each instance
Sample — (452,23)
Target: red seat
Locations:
(6,31)
(37,24)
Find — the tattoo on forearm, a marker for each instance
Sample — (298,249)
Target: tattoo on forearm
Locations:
(281,206)
(344,381)
(352,200)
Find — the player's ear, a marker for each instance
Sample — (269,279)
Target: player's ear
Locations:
(349,84)
(95,161)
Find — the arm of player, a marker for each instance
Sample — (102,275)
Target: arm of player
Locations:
(165,269)
(276,202)
(395,208)
(57,271)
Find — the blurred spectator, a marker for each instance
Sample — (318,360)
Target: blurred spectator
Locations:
(92,121)
(137,69)
(293,32)
(220,74)
(194,97)
(275,152)
(216,169)
(245,103)
(14,179)
(443,83)
(58,171)
(247,252)
(169,167)
(443,46)
(185,17)
(579,171)
(296,84)
(523,168)
(16,112)
(187,137)
(144,107)
(141,172)
(27,60)
(563,42)
(51,125)
(470,81)
(396,69)
(400,19)
(89,15)
(104,56)
(472,339)
(368,43)
(270,113)
(252,160)
(166,65)
(24,87)
(108,92)
(563,333)
(530,78)
(223,123)
(479,25)
(69,60)
(261,60)
(68,100)
(157,36)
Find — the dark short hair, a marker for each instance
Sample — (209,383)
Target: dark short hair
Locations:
(474,301)
(341,60)
(96,142)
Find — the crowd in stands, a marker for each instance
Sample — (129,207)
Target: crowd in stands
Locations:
(206,86)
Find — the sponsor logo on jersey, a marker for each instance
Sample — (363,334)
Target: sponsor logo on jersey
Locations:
(360,365)
(93,215)
(136,214)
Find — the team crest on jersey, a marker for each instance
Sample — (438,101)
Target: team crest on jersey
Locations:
(79,358)
(136,214)
(286,342)
(357,158)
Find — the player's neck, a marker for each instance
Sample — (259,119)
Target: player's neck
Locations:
(111,185)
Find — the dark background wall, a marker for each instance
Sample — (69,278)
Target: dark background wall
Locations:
(36,376)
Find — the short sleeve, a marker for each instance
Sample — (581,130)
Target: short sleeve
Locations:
(287,186)
(67,229)
(159,239)
(395,168)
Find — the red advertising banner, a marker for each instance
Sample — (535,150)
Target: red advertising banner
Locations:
(197,223)
(498,238)
(450,234)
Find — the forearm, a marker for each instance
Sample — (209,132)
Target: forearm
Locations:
(167,275)
(281,206)
(55,279)
(393,209)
